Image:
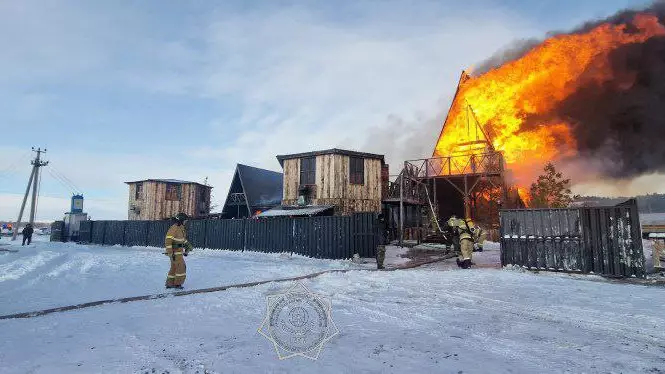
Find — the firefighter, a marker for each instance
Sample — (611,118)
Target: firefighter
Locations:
(453,234)
(479,237)
(27,233)
(177,246)
(381,239)
(463,229)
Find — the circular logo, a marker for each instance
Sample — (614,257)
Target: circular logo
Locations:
(298,322)
(298,316)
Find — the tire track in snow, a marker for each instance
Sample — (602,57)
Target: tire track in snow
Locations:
(23,266)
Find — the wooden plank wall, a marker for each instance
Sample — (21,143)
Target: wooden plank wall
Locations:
(291,181)
(154,206)
(333,187)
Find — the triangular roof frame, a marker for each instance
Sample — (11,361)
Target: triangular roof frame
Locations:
(464,76)
(236,174)
(272,184)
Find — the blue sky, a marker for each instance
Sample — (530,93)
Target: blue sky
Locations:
(123,90)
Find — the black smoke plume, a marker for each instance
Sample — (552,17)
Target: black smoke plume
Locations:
(619,125)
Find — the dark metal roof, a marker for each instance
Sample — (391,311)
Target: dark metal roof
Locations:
(263,188)
(336,151)
(284,211)
(168,181)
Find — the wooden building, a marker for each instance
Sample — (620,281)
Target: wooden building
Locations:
(252,191)
(156,199)
(347,180)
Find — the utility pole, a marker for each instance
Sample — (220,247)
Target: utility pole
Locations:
(34,178)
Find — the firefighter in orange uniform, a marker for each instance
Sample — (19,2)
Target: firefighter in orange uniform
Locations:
(177,246)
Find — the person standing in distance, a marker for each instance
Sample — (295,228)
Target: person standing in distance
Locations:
(177,246)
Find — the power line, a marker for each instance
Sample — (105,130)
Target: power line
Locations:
(14,166)
(67,180)
(16,161)
(69,188)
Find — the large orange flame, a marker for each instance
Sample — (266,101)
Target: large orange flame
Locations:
(506,101)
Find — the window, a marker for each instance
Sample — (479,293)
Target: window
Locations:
(172,191)
(308,170)
(138,193)
(357,170)
(203,194)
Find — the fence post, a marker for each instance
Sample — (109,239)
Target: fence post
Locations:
(205,232)
(244,234)
(104,233)
(146,237)
(293,235)
(124,233)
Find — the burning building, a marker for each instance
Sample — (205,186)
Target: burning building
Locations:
(466,176)
(592,101)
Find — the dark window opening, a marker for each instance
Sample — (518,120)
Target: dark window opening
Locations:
(173,191)
(138,193)
(204,200)
(203,194)
(308,170)
(357,170)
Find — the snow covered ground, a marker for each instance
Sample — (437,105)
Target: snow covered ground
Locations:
(421,320)
(46,275)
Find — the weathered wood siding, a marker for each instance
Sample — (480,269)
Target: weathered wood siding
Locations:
(333,187)
(153,204)
(291,181)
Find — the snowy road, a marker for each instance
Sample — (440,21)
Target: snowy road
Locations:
(420,321)
(47,275)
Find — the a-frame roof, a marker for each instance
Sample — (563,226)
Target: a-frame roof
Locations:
(483,138)
(259,189)
(262,187)
(463,78)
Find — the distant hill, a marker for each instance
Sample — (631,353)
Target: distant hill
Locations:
(652,203)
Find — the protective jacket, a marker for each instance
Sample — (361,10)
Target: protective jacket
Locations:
(176,240)
(176,246)
(462,227)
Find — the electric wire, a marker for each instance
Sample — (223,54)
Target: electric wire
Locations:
(67,180)
(61,181)
(13,167)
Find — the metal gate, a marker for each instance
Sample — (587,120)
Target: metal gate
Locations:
(603,241)
(365,230)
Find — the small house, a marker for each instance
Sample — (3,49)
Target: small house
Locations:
(344,181)
(155,199)
(252,191)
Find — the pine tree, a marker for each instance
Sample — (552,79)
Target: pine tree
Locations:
(551,190)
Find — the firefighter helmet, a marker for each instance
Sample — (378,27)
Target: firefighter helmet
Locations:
(181,217)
